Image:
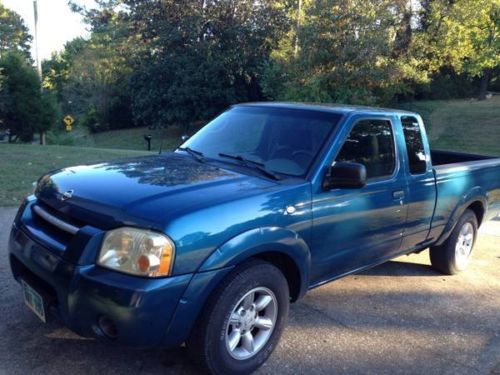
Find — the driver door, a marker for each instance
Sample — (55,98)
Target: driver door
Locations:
(356,228)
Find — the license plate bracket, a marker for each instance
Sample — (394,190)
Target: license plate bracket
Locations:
(34,301)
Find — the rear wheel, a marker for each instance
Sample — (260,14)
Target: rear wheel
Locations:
(242,322)
(454,254)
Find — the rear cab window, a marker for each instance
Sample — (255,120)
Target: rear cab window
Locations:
(414,145)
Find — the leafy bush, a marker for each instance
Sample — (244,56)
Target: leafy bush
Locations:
(60,138)
(90,120)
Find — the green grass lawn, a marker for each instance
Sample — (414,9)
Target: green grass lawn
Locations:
(129,139)
(122,139)
(133,139)
(20,165)
(462,125)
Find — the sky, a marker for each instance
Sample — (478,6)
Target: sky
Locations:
(56,23)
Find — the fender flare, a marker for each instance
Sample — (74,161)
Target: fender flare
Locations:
(221,261)
(263,240)
(476,194)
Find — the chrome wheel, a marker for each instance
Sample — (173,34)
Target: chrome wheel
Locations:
(251,323)
(463,246)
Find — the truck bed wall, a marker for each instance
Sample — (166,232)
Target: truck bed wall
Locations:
(440,157)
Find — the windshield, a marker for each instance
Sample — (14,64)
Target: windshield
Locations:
(283,140)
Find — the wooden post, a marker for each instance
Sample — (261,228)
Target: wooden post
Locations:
(38,61)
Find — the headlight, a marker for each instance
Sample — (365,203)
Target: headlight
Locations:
(38,184)
(137,252)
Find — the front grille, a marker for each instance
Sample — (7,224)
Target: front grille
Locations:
(50,227)
(55,221)
(57,229)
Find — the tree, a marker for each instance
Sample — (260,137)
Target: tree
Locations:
(97,84)
(91,76)
(24,109)
(192,59)
(56,70)
(14,34)
(348,51)
(162,62)
(463,34)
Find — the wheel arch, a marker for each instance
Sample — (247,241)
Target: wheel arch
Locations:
(479,210)
(476,201)
(281,247)
(288,268)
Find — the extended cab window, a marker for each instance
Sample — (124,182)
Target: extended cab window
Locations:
(371,143)
(414,144)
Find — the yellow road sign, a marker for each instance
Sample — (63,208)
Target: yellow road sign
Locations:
(68,120)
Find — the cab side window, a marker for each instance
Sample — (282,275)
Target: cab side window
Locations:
(414,145)
(371,143)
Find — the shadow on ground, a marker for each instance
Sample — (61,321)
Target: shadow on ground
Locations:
(399,268)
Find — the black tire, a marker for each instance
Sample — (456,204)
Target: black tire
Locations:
(444,257)
(207,344)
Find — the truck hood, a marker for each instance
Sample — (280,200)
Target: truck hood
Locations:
(147,191)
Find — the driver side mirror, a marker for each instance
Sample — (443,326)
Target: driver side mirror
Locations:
(345,175)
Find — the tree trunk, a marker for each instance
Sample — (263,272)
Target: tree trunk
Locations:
(297,29)
(42,138)
(485,80)
(253,90)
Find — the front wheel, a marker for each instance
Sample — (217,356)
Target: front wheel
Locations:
(242,322)
(454,254)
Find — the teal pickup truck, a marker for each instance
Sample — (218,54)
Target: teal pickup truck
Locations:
(209,244)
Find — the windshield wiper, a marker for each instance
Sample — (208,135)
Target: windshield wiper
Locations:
(252,163)
(198,155)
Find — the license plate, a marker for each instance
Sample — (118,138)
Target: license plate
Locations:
(34,301)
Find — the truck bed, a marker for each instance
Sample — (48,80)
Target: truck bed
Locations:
(460,176)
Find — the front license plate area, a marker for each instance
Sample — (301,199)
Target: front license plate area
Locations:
(33,300)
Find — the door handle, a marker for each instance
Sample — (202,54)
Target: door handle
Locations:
(398,194)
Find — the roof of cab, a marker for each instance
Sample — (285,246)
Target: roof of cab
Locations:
(336,108)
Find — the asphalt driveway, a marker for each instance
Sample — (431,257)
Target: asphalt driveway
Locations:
(401,317)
